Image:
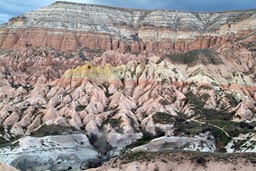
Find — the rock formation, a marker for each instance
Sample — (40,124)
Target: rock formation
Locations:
(142,81)
(68,26)
(7,168)
(164,161)
(66,152)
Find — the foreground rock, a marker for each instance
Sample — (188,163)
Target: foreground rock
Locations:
(66,152)
(178,161)
(7,168)
(203,143)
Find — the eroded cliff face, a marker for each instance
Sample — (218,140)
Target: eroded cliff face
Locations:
(202,100)
(68,26)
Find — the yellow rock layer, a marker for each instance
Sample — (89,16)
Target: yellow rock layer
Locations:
(91,72)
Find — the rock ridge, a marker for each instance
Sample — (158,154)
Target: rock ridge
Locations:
(68,26)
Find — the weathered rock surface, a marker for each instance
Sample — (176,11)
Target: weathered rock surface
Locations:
(124,97)
(7,168)
(66,152)
(202,142)
(169,160)
(68,26)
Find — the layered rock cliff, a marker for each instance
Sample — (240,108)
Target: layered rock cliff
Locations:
(68,26)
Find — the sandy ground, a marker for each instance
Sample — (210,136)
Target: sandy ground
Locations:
(181,161)
(4,167)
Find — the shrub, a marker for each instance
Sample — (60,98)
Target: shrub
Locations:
(199,160)
(80,108)
(46,130)
(204,56)
(115,123)
(163,118)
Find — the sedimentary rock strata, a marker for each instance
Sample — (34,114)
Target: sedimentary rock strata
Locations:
(68,26)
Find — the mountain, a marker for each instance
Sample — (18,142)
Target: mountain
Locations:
(68,26)
(81,84)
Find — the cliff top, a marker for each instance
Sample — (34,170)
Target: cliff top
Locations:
(121,21)
(138,9)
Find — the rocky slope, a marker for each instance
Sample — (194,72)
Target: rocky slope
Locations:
(146,93)
(201,100)
(7,168)
(68,26)
(178,161)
